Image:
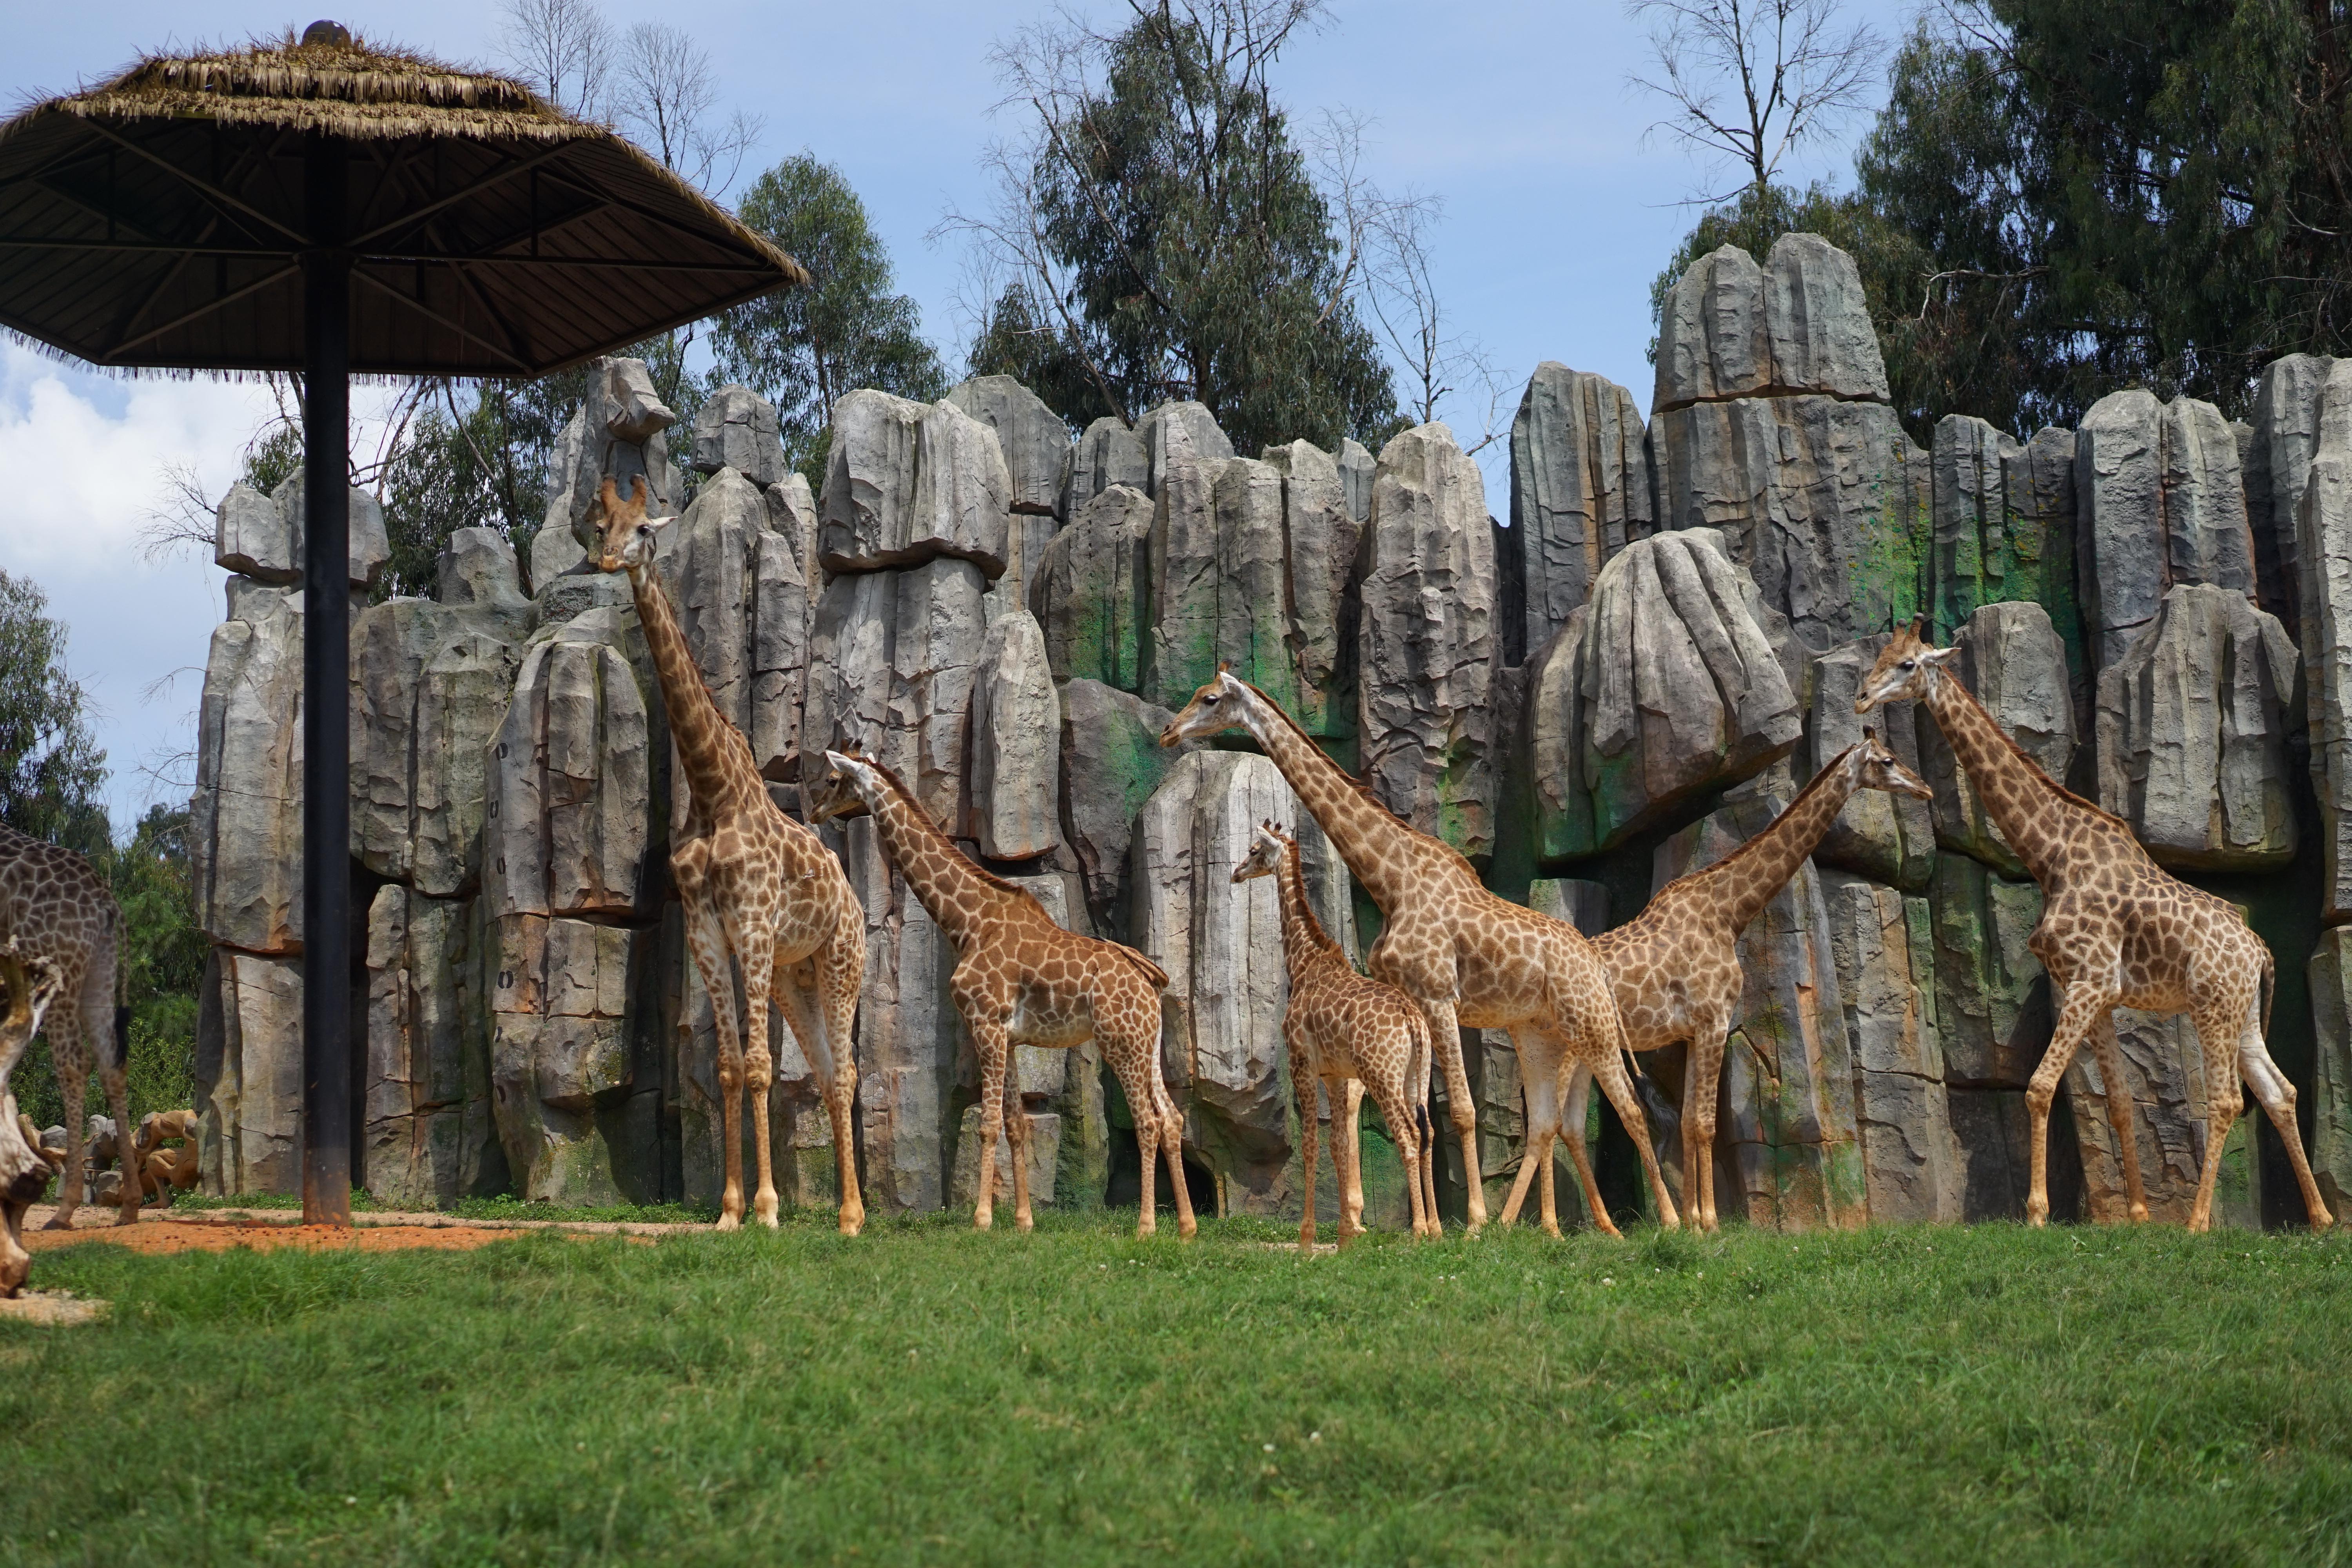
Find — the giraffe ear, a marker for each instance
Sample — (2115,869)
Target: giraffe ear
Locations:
(1869,734)
(609,496)
(1939,655)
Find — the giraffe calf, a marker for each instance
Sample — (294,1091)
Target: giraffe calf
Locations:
(1342,1026)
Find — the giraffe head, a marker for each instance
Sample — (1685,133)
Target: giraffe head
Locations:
(1218,706)
(1872,766)
(624,534)
(1266,853)
(849,788)
(1907,669)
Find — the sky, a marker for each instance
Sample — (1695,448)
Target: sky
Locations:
(1557,212)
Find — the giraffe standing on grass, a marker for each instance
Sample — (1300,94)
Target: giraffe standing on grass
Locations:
(1466,957)
(1342,1028)
(62,917)
(2116,931)
(1676,971)
(1020,978)
(757,886)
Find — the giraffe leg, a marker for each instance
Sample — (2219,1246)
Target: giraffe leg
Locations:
(840,975)
(988,1040)
(1579,1087)
(2277,1097)
(2109,1054)
(757,943)
(1615,1083)
(2083,1009)
(1701,1088)
(1171,1147)
(71,1064)
(1539,1070)
(1389,1094)
(115,1082)
(1135,1063)
(1445,1041)
(1345,1149)
(1302,1084)
(2223,1103)
(1424,1132)
(1017,1131)
(705,940)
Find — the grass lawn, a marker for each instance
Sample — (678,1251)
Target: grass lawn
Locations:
(924,1395)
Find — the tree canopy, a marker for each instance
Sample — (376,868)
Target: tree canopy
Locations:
(803,349)
(51,769)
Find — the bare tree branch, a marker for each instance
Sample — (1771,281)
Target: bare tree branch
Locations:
(563,49)
(665,95)
(1752,81)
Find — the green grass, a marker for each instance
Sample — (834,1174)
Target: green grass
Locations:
(924,1395)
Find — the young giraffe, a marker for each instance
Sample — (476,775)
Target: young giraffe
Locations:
(1467,958)
(1342,1027)
(1020,978)
(1675,969)
(64,918)
(756,885)
(2115,932)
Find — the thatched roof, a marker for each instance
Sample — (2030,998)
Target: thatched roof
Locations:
(157,219)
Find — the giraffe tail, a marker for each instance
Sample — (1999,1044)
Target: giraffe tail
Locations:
(1662,1111)
(1416,1080)
(2269,983)
(1144,966)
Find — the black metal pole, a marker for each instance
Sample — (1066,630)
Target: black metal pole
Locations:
(326,696)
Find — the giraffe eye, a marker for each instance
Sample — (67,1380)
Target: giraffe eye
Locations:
(1910,664)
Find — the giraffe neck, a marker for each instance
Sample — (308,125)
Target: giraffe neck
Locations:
(2023,801)
(953,890)
(1377,848)
(716,772)
(1747,879)
(1302,936)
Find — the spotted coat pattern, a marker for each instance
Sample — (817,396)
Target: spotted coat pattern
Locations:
(1468,958)
(1343,1029)
(1020,978)
(757,887)
(1676,965)
(63,916)
(2116,931)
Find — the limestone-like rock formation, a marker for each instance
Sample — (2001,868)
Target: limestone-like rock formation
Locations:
(1091,593)
(1800,324)
(1580,489)
(2162,503)
(1033,440)
(736,428)
(246,820)
(1427,648)
(1111,763)
(2324,554)
(891,672)
(1882,943)
(1662,689)
(1222,947)
(1016,743)
(429,1136)
(2330,971)
(261,536)
(2193,722)
(1156,432)
(1108,454)
(1992,1001)
(249,1072)
(741,588)
(617,433)
(2012,661)
(911,481)
(1321,536)
(560,1050)
(2277,465)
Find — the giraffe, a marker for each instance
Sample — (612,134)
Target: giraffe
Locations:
(756,885)
(1466,957)
(2115,932)
(25,1165)
(61,914)
(1020,978)
(1342,1027)
(1675,969)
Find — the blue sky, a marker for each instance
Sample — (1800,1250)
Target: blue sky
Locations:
(1556,217)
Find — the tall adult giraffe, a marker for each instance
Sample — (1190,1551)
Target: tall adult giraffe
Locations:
(1468,958)
(1676,971)
(756,886)
(1020,978)
(60,914)
(2116,931)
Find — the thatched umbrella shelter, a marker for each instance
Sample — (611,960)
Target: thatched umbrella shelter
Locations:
(330,207)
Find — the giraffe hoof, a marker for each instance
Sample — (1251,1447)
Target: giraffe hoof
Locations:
(2322,1220)
(1187,1230)
(2139,1214)
(731,1222)
(1551,1229)
(983,1222)
(59,1222)
(1025,1225)
(851,1223)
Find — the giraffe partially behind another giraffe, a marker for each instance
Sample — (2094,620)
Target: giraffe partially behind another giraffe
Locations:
(1342,1026)
(2116,931)
(1020,978)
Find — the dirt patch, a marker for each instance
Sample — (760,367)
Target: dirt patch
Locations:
(59,1307)
(198,1236)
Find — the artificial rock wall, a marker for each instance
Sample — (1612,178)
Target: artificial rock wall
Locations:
(1619,684)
